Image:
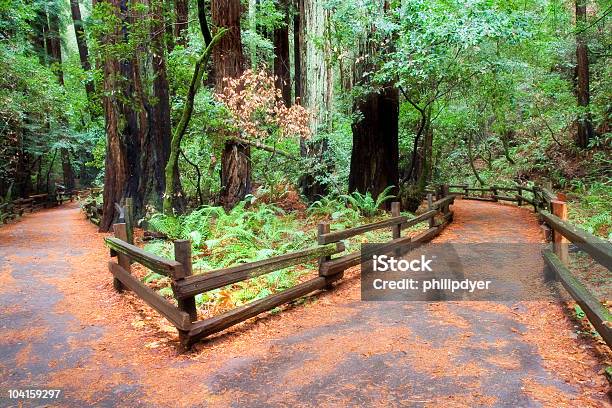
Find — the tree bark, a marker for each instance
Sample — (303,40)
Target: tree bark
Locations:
(419,173)
(181,10)
(282,70)
(155,150)
(375,153)
(316,91)
(585,125)
(67,169)
(54,48)
(297,48)
(229,62)
(54,45)
(123,133)
(79,33)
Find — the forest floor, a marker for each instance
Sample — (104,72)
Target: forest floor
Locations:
(62,326)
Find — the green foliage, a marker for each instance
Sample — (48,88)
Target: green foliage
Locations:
(365,203)
(590,208)
(221,239)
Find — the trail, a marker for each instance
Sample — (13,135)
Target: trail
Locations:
(62,326)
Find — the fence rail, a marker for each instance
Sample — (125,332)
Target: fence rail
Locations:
(17,208)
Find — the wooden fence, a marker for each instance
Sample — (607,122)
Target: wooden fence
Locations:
(185,285)
(20,206)
(552,210)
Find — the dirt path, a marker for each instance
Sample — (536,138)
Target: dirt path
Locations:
(62,326)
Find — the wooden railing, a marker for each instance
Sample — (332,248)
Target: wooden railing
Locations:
(333,267)
(557,260)
(537,196)
(185,285)
(20,206)
(553,213)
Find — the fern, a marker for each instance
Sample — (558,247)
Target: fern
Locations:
(365,203)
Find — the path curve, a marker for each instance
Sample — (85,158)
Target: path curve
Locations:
(62,326)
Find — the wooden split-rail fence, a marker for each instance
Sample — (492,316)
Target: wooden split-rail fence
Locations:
(552,210)
(17,208)
(186,285)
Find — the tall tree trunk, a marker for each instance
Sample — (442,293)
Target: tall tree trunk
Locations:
(155,146)
(181,10)
(79,33)
(375,154)
(282,69)
(229,63)
(316,90)
(54,46)
(123,133)
(252,26)
(585,125)
(297,47)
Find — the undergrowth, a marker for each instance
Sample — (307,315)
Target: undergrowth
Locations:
(255,232)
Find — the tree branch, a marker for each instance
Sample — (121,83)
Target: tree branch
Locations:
(262,146)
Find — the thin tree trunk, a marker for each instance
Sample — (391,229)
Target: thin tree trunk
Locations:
(282,69)
(252,25)
(585,125)
(67,169)
(421,163)
(54,46)
(298,47)
(181,10)
(79,33)
(505,139)
(171,171)
(471,158)
(229,63)
(49,171)
(198,177)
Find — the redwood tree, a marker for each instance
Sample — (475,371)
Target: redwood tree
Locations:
(375,154)
(79,33)
(155,145)
(282,69)
(123,131)
(585,126)
(229,62)
(181,11)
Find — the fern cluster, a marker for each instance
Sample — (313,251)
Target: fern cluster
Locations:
(257,232)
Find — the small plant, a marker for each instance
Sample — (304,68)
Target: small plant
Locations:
(334,208)
(365,203)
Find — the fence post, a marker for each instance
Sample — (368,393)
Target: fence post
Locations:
(535,199)
(432,221)
(323,228)
(560,243)
(129,219)
(445,193)
(122,259)
(182,254)
(396,230)
(519,196)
